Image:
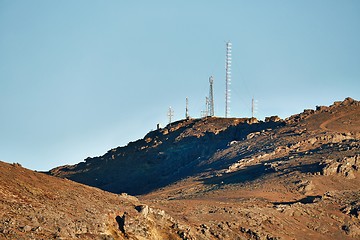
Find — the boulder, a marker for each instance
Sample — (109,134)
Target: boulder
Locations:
(273,119)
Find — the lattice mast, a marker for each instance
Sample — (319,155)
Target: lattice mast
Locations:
(211,97)
(228,79)
(207,106)
(170,114)
(205,112)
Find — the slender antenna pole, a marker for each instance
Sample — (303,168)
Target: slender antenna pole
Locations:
(252,107)
(170,114)
(211,97)
(187,109)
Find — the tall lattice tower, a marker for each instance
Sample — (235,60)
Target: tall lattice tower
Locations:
(211,97)
(228,79)
(206,106)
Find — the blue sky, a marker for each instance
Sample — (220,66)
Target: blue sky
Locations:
(78,78)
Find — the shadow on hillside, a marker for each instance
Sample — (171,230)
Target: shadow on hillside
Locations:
(248,174)
(168,155)
(305,200)
(260,170)
(305,168)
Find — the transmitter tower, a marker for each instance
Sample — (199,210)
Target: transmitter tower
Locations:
(227,79)
(211,97)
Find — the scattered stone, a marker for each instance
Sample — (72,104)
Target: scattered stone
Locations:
(305,187)
(143,209)
(351,229)
(273,119)
(353,209)
(321,108)
(345,167)
(252,135)
(26,228)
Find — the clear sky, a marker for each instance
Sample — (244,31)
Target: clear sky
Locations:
(78,78)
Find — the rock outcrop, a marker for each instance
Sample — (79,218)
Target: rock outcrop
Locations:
(347,166)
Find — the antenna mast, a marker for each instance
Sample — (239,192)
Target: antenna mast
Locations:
(252,107)
(211,97)
(205,113)
(170,114)
(187,109)
(228,79)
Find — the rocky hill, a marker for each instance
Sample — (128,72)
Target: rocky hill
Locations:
(164,156)
(210,178)
(296,178)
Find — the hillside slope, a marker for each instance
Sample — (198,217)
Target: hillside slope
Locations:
(296,178)
(163,156)
(37,206)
